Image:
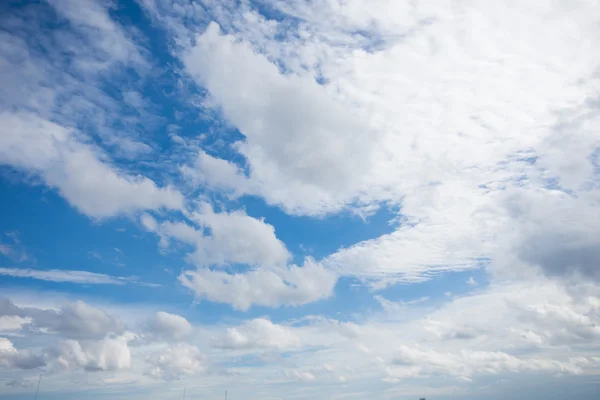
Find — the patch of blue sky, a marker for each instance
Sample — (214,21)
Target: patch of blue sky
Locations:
(61,238)
(319,237)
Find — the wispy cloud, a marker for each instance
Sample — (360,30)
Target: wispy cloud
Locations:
(69,276)
(15,249)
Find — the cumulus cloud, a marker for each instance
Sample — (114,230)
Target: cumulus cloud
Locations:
(218,174)
(108,354)
(88,338)
(282,118)
(223,238)
(76,320)
(169,326)
(176,362)
(79,319)
(21,359)
(236,237)
(293,285)
(257,333)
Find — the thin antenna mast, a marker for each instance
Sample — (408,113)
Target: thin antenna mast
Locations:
(226,395)
(184,393)
(38,387)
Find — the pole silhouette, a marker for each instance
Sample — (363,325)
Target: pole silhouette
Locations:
(37,390)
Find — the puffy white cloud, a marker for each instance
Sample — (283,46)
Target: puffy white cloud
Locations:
(291,285)
(22,359)
(64,161)
(227,238)
(177,361)
(284,118)
(218,174)
(76,320)
(223,238)
(79,319)
(169,326)
(257,333)
(235,237)
(108,354)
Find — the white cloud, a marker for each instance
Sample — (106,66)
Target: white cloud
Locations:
(223,238)
(393,307)
(414,362)
(559,324)
(542,330)
(22,382)
(303,376)
(108,42)
(291,285)
(218,174)
(435,141)
(53,85)
(176,362)
(551,232)
(14,250)
(283,118)
(22,359)
(326,372)
(465,132)
(257,333)
(108,354)
(12,323)
(63,275)
(235,237)
(227,238)
(471,281)
(74,168)
(169,326)
(77,320)
(445,229)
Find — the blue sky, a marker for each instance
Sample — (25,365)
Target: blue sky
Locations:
(299,199)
